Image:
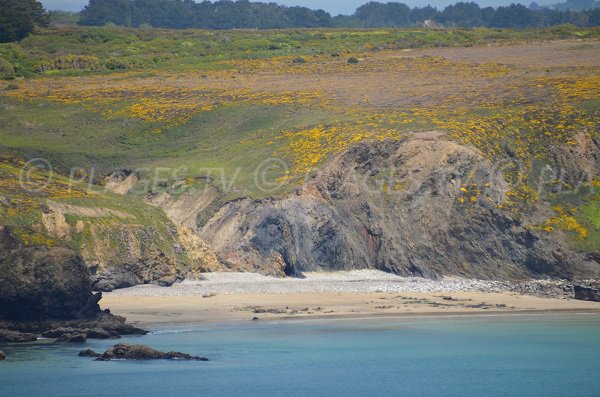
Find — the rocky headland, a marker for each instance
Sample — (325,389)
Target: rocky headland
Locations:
(422,207)
(48,292)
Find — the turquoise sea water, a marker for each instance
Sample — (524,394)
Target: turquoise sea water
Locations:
(541,355)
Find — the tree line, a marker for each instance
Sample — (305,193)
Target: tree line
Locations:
(19,17)
(243,14)
(222,14)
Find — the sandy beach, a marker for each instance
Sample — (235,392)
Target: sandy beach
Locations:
(229,297)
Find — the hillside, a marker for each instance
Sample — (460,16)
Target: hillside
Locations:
(420,152)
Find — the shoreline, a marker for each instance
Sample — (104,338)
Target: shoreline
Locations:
(158,312)
(242,297)
(161,327)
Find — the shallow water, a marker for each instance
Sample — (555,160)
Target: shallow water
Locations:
(541,355)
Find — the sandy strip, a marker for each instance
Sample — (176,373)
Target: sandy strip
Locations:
(177,310)
(226,298)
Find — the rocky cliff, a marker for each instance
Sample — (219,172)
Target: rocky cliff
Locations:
(43,283)
(422,206)
(49,291)
(119,239)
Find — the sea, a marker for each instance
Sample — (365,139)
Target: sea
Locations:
(484,355)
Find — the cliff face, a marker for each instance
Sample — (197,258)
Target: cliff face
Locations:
(121,241)
(41,283)
(121,248)
(422,206)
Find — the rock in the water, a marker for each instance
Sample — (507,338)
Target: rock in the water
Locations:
(16,337)
(115,325)
(2,355)
(91,333)
(58,332)
(100,333)
(71,338)
(587,293)
(104,326)
(124,351)
(49,290)
(89,353)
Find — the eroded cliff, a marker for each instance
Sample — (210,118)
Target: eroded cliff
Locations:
(420,206)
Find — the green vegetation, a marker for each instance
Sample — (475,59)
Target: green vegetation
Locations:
(49,209)
(19,17)
(207,108)
(61,18)
(151,50)
(590,215)
(185,14)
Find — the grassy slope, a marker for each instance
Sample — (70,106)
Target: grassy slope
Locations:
(103,234)
(232,136)
(178,50)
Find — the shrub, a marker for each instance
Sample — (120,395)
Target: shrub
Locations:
(353,60)
(7,70)
(115,64)
(68,62)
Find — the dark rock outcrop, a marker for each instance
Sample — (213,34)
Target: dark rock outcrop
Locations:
(97,332)
(59,332)
(89,353)
(140,352)
(41,283)
(16,337)
(587,293)
(48,291)
(103,326)
(157,269)
(72,338)
(101,333)
(555,289)
(422,206)
(2,355)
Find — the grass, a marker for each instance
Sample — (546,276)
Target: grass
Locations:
(102,236)
(589,215)
(212,107)
(217,142)
(184,50)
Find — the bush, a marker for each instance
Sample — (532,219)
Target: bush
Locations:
(116,64)
(11,52)
(7,70)
(68,62)
(353,60)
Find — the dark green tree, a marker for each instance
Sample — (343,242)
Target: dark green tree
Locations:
(101,12)
(374,14)
(515,16)
(467,15)
(222,14)
(594,17)
(244,14)
(420,15)
(18,18)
